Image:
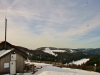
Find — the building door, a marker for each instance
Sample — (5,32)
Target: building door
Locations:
(13,67)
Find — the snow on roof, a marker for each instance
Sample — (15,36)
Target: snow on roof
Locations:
(3,52)
(79,62)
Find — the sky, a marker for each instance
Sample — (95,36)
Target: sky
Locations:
(51,23)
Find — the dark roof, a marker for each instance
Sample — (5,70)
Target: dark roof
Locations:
(15,48)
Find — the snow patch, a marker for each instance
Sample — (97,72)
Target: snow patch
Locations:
(47,50)
(71,51)
(79,62)
(58,50)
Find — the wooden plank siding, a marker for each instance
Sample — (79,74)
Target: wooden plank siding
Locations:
(19,63)
(6,59)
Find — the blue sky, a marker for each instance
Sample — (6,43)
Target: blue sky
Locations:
(51,23)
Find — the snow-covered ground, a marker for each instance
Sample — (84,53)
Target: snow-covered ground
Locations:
(51,70)
(58,50)
(48,69)
(47,50)
(71,51)
(79,62)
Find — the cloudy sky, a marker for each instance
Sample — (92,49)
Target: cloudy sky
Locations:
(51,23)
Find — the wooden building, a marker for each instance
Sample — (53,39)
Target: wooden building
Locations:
(7,55)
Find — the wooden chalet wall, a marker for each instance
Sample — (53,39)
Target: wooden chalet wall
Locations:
(20,64)
(6,59)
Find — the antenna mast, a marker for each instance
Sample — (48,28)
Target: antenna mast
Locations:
(5,27)
(5,31)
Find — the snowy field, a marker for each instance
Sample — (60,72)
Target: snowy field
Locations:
(48,69)
(52,70)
